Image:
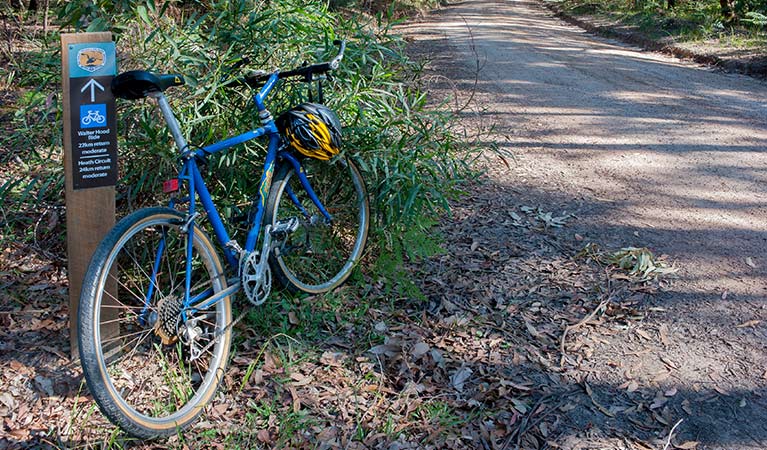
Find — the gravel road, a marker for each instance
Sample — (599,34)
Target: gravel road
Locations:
(645,150)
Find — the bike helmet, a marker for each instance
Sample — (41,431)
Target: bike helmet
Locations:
(312,129)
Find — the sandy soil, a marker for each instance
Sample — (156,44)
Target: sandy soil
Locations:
(645,150)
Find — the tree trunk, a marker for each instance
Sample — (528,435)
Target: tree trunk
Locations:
(46,10)
(728,13)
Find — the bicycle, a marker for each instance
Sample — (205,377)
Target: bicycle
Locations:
(93,116)
(155,318)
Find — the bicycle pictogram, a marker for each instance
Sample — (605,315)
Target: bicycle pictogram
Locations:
(94,117)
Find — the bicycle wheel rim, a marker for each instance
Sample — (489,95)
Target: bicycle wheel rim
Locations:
(335,250)
(188,390)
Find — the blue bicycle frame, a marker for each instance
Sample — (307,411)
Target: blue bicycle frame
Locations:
(190,173)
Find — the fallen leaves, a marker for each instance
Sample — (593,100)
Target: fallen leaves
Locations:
(637,262)
(599,406)
(459,377)
(720,390)
(519,405)
(670,392)
(663,335)
(659,400)
(537,216)
(749,323)
(419,350)
(661,376)
(333,359)
(477,367)
(38,379)
(643,334)
(300,379)
(264,436)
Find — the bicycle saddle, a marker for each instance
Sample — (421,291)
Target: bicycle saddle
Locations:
(140,83)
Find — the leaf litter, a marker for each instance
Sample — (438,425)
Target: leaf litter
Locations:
(498,357)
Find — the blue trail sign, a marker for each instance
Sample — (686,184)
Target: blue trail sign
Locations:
(92,107)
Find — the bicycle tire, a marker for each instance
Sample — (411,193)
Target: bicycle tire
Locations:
(139,373)
(318,257)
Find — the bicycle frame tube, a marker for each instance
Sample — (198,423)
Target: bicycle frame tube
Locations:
(197,185)
(190,238)
(263,193)
(190,172)
(266,177)
(269,129)
(299,170)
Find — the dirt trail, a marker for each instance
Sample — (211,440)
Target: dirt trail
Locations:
(645,150)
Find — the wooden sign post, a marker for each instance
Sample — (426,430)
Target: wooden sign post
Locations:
(88,65)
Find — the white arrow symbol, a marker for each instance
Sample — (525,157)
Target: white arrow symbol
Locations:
(93,84)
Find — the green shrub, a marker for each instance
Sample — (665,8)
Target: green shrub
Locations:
(405,149)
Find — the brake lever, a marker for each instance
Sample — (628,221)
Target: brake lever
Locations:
(255,77)
(334,63)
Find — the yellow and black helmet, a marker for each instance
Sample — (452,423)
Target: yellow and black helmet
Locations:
(312,129)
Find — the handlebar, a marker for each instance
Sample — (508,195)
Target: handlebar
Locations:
(258,78)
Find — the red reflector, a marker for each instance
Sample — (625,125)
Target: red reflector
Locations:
(170,186)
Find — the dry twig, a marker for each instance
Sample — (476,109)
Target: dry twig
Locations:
(671,433)
(528,422)
(479,66)
(570,328)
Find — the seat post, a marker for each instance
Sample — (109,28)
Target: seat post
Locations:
(170,119)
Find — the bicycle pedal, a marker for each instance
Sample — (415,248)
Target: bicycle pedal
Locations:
(284,227)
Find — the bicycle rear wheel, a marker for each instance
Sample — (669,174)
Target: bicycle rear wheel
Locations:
(318,256)
(150,372)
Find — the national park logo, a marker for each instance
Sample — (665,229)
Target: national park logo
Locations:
(91,59)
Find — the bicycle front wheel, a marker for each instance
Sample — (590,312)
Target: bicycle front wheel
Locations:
(319,255)
(151,370)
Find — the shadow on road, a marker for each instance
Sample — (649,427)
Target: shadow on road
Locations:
(643,151)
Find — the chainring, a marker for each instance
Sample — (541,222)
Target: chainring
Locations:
(257,288)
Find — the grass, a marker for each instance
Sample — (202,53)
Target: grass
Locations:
(690,21)
(438,413)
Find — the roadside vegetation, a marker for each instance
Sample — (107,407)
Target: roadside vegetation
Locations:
(406,150)
(733,23)
(405,145)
